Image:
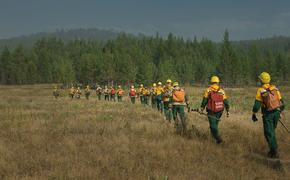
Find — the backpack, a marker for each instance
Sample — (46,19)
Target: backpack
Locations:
(271,99)
(120,92)
(178,96)
(113,92)
(132,93)
(215,101)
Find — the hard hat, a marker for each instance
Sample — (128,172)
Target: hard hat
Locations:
(160,83)
(265,77)
(154,84)
(168,81)
(132,87)
(215,79)
(141,85)
(119,86)
(88,86)
(175,84)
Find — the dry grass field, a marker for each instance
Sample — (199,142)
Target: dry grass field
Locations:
(44,138)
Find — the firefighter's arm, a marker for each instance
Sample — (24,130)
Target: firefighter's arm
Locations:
(203,103)
(258,102)
(281,100)
(227,104)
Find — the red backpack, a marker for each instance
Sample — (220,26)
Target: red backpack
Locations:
(113,92)
(132,93)
(215,101)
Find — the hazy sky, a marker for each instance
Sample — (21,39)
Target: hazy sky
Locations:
(245,19)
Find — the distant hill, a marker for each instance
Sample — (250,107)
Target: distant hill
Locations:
(66,35)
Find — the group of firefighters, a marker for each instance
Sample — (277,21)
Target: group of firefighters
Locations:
(172,100)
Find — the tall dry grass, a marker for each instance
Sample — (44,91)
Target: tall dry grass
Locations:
(44,138)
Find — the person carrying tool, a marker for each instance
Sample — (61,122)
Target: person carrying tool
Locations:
(112,94)
(269,99)
(99,92)
(72,92)
(159,91)
(132,94)
(215,100)
(153,95)
(55,92)
(120,93)
(87,92)
(140,93)
(166,98)
(179,101)
(107,93)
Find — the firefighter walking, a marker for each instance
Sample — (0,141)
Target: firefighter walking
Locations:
(166,98)
(87,92)
(132,94)
(78,93)
(153,95)
(112,94)
(72,92)
(146,95)
(107,93)
(215,100)
(120,93)
(56,92)
(140,93)
(159,91)
(269,99)
(179,101)
(99,92)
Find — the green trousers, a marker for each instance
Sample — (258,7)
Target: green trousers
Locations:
(113,97)
(146,100)
(179,110)
(120,98)
(167,110)
(214,119)
(153,101)
(87,96)
(107,97)
(133,99)
(99,96)
(159,103)
(270,121)
(142,99)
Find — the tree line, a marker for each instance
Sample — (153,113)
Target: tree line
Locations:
(144,59)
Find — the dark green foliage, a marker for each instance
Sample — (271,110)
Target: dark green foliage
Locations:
(129,59)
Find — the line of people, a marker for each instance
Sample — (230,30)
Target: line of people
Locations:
(172,100)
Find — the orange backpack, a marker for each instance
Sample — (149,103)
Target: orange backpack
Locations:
(271,99)
(178,96)
(215,101)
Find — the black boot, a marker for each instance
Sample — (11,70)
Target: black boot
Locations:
(273,154)
(219,140)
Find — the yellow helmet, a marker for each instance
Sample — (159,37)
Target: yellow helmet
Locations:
(265,77)
(88,86)
(215,79)
(119,86)
(132,87)
(141,85)
(168,81)
(154,84)
(175,84)
(160,83)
